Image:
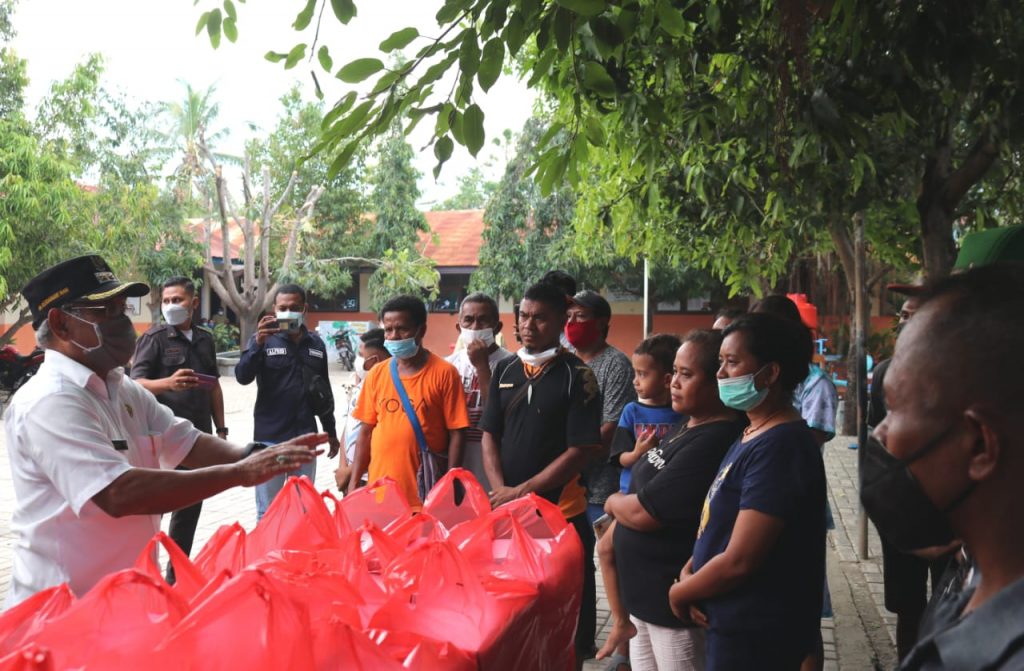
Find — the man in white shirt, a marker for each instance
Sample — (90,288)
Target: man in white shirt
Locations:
(478,326)
(90,449)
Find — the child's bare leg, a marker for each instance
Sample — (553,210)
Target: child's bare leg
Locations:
(622,629)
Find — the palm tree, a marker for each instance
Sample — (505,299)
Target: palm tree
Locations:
(191,127)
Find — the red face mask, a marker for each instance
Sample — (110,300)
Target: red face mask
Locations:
(582,335)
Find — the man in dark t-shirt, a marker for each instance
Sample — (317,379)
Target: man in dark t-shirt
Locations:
(541,424)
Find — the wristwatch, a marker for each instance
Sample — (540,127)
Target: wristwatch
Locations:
(222,429)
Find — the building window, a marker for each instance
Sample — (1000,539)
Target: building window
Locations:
(346,301)
(452,289)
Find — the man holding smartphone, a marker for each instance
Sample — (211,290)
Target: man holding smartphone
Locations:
(177,362)
(289,364)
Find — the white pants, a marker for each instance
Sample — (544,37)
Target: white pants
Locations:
(657,648)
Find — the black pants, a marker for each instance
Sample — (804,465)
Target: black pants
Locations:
(182,531)
(586,628)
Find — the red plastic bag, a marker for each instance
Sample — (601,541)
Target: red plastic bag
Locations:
(522,545)
(249,623)
(117,623)
(22,622)
(457,498)
(316,581)
(224,551)
(415,529)
(433,592)
(380,503)
(417,653)
(337,645)
(30,658)
(296,520)
(188,580)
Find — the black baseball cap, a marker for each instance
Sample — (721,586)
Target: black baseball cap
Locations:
(86,278)
(594,302)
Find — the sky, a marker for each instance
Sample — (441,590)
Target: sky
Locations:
(150,47)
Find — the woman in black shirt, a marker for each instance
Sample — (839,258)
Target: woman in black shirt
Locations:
(656,523)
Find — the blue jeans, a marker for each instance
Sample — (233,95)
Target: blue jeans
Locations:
(266,492)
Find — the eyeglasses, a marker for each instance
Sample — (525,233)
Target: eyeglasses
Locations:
(108,310)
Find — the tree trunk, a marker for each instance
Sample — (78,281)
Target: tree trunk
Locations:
(24,317)
(942,189)
(842,240)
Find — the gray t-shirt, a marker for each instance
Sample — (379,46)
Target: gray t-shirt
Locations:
(614,373)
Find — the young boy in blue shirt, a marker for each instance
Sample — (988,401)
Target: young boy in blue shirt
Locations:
(646,420)
(641,427)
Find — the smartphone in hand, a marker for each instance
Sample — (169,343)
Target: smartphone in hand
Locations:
(206,381)
(602,523)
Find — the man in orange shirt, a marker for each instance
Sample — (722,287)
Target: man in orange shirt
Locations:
(388,444)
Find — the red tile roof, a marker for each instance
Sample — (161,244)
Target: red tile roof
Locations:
(459,237)
(235,239)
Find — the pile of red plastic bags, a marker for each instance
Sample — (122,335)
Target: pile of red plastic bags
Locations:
(320,583)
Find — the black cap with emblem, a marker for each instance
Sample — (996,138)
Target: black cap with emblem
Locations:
(83,278)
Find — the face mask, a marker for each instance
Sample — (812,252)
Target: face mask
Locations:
(115,343)
(291,322)
(537,359)
(740,393)
(403,349)
(175,314)
(582,335)
(895,502)
(469,335)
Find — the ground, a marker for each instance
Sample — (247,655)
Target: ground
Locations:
(859,637)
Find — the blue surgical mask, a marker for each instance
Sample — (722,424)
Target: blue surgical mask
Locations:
(740,393)
(403,349)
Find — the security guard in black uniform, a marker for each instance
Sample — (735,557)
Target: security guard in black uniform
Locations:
(167,360)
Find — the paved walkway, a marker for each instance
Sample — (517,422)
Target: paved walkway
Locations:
(859,637)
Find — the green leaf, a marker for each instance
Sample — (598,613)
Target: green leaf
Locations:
(670,19)
(230,29)
(229,9)
(597,79)
(294,56)
(342,159)
(563,29)
(514,34)
(473,128)
(305,16)
(344,105)
(399,39)
(213,27)
(584,7)
(203,18)
(344,10)
(491,62)
(469,53)
(275,56)
(595,131)
(359,69)
(351,123)
(324,56)
(443,149)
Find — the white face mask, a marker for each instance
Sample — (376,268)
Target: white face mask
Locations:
(537,358)
(469,335)
(175,314)
(359,368)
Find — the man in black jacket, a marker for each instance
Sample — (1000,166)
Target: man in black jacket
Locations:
(283,356)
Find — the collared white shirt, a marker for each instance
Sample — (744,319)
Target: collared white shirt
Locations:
(69,435)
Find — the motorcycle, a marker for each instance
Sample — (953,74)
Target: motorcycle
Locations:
(15,369)
(346,350)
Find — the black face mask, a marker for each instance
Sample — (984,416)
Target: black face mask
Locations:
(895,502)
